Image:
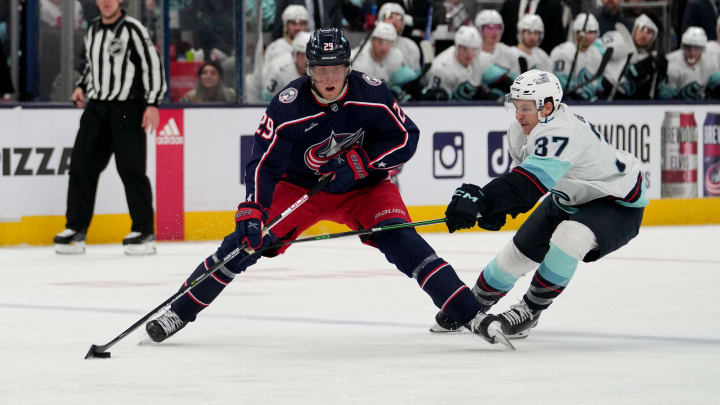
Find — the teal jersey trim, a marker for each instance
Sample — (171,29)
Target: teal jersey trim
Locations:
(600,47)
(498,278)
(641,202)
(548,171)
(493,74)
(557,267)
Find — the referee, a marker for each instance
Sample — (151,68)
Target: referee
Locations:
(124,81)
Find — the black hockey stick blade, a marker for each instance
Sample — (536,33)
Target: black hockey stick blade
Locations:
(96,353)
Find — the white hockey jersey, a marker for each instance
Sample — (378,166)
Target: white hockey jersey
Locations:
(689,82)
(382,70)
(410,52)
(277,48)
(537,59)
(574,162)
(586,66)
(447,73)
(502,56)
(282,71)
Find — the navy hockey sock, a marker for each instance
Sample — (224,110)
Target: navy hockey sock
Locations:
(197,299)
(550,279)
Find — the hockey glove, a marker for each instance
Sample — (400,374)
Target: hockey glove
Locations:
(467,202)
(492,223)
(347,168)
(249,222)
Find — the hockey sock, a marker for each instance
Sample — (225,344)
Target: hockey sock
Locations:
(192,302)
(550,279)
(485,293)
(439,280)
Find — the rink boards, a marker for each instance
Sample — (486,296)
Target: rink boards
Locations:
(196,167)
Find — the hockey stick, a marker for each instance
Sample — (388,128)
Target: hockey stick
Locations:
(601,69)
(360,232)
(622,74)
(522,62)
(428,54)
(362,45)
(101,351)
(578,42)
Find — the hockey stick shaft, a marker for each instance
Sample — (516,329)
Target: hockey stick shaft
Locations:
(578,44)
(601,69)
(360,232)
(94,349)
(622,74)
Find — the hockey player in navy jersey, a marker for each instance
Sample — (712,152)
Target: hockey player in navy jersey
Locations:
(347,124)
(596,203)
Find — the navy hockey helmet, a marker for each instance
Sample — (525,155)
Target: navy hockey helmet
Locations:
(328,47)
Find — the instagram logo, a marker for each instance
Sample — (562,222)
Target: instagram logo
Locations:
(498,153)
(448,155)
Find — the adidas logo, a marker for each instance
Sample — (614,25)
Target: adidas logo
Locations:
(170,134)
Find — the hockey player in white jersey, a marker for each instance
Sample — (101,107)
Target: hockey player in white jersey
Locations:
(295,19)
(286,68)
(490,25)
(393,13)
(691,73)
(596,203)
(451,73)
(588,59)
(380,58)
(530,32)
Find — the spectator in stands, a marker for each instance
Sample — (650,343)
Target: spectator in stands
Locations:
(394,14)
(577,83)
(323,14)
(456,15)
(381,59)
(416,13)
(691,74)
(211,22)
(6,86)
(295,19)
(451,75)
(286,68)
(703,14)
(51,13)
(609,14)
(551,13)
(530,30)
(646,66)
(491,27)
(210,86)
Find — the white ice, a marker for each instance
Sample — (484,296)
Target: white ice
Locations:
(331,322)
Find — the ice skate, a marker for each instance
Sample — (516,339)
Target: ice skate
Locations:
(70,242)
(445,324)
(164,326)
(517,321)
(139,244)
(489,328)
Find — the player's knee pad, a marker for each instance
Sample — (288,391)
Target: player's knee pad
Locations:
(574,238)
(512,261)
(403,247)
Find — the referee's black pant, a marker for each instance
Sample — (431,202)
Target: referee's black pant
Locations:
(108,127)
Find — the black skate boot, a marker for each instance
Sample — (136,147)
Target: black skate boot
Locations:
(70,242)
(488,327)
(138,244)
(518,320)
(445,324)
(164,326)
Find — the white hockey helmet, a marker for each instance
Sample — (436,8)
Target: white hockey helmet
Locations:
(388,9)
(592,23)
(694,36)
(530,22)
(538,86)
(468,36)
(385,30)
(299,43)
(295,12)
(643,21)
(487,17)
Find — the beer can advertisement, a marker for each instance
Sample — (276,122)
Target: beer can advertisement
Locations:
(711,155)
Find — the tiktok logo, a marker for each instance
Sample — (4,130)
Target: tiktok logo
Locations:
(498,153)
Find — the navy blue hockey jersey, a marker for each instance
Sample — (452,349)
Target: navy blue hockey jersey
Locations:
(298,134)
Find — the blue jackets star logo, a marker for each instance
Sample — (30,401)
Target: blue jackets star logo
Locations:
(320,153)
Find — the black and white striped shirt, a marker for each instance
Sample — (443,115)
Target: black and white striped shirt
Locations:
(121,63)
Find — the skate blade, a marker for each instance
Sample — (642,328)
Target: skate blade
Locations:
(75,248)
(144,249)
(146,340)
(496,334)
(440,330)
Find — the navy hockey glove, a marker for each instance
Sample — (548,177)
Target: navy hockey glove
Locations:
(249,222)
(492,223)
(347,168)
(467,202)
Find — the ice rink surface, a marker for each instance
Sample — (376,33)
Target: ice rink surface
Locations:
(331,322)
